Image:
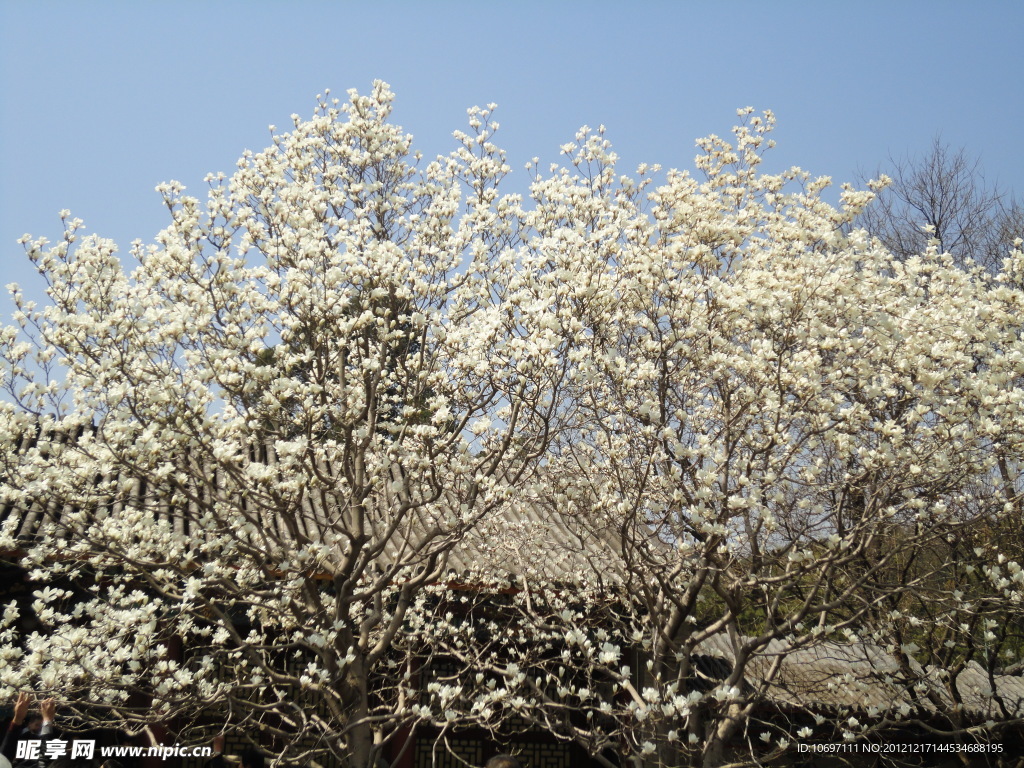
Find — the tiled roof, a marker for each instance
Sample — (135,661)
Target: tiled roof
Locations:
(522,539)
(542,540)
(863,677)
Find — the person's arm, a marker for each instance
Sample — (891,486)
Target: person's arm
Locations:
(48,709)
(10,742)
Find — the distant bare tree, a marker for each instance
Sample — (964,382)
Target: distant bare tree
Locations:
(1010,224)
(945,190)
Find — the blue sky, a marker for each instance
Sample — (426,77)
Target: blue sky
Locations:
(101,101)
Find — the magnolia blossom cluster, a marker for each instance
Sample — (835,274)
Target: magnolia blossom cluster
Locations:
(364,444)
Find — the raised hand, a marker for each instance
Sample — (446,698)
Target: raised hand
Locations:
(21,707)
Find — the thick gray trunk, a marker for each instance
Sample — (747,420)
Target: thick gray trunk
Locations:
(360,741)
(714,752)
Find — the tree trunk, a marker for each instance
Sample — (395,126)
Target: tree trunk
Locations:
(360,733)
(714,752)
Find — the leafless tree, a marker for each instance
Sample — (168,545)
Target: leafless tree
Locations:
(944,194)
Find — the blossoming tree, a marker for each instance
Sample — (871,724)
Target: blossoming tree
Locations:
(795,449)
(259,447)
(717,437)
